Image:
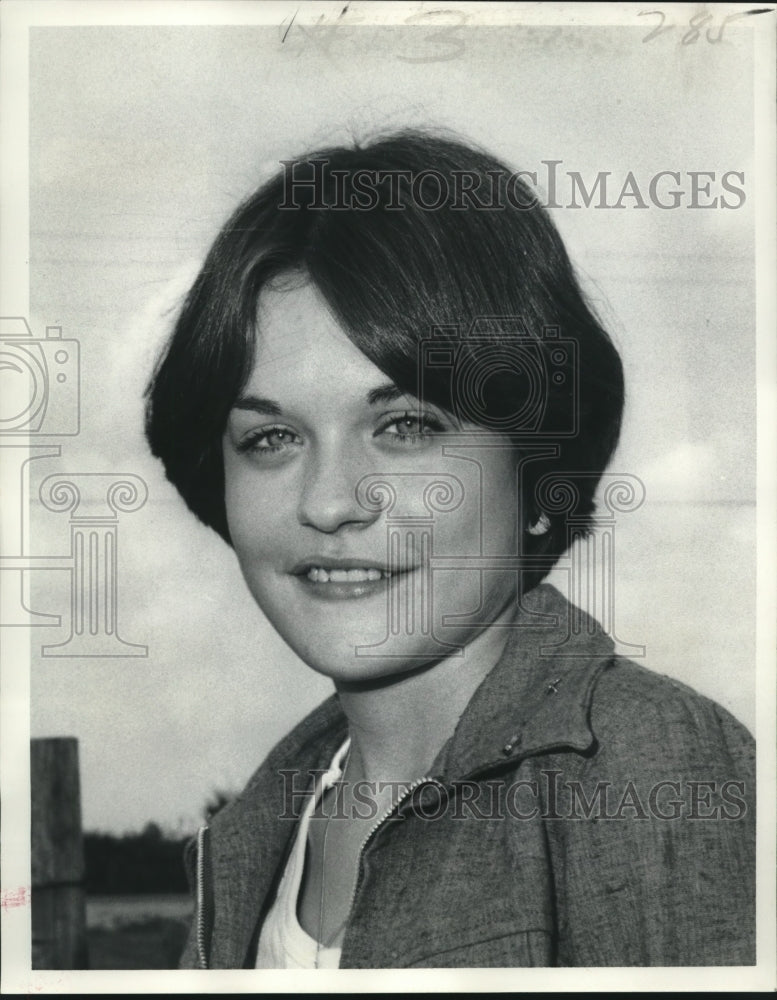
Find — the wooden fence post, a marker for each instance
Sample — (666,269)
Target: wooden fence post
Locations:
(58,898)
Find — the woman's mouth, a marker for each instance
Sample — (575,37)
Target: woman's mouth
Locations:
(348,580)
(317,574)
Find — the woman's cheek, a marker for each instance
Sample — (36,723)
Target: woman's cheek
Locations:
(254,513)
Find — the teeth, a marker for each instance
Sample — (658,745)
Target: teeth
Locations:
(319,575)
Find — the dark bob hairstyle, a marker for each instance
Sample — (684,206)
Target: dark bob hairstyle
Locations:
(443,269)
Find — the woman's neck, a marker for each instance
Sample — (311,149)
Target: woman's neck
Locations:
(397,729)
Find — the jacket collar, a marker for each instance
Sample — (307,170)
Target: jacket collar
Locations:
(538,695)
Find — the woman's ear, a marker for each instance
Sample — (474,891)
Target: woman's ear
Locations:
(540,527)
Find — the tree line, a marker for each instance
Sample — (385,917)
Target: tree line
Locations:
(145,862)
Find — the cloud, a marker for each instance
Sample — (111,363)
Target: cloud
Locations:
(701,472)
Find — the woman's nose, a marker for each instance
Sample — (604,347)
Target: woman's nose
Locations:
(328,498)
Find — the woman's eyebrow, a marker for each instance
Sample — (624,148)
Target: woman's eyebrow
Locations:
(259,405)
(387,393)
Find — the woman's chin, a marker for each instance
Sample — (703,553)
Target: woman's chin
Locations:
(370,659)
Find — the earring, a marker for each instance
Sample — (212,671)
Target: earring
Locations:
(541,527)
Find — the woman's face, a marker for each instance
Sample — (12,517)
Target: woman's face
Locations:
(359,587)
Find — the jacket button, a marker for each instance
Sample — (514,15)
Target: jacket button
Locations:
(511,744)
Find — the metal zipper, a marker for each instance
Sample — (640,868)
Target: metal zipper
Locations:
(374,829)
(202,833)
(479,771)
(202,959)
(201,903)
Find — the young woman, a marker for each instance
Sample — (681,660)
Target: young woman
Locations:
(386,392)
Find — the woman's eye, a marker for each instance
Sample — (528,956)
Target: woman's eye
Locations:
(270,440)
(411,428)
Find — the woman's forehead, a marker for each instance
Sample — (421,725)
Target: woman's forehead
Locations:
(300,346)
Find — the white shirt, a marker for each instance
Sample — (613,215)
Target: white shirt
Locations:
(283,944)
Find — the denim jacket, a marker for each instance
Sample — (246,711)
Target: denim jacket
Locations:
(585,812)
